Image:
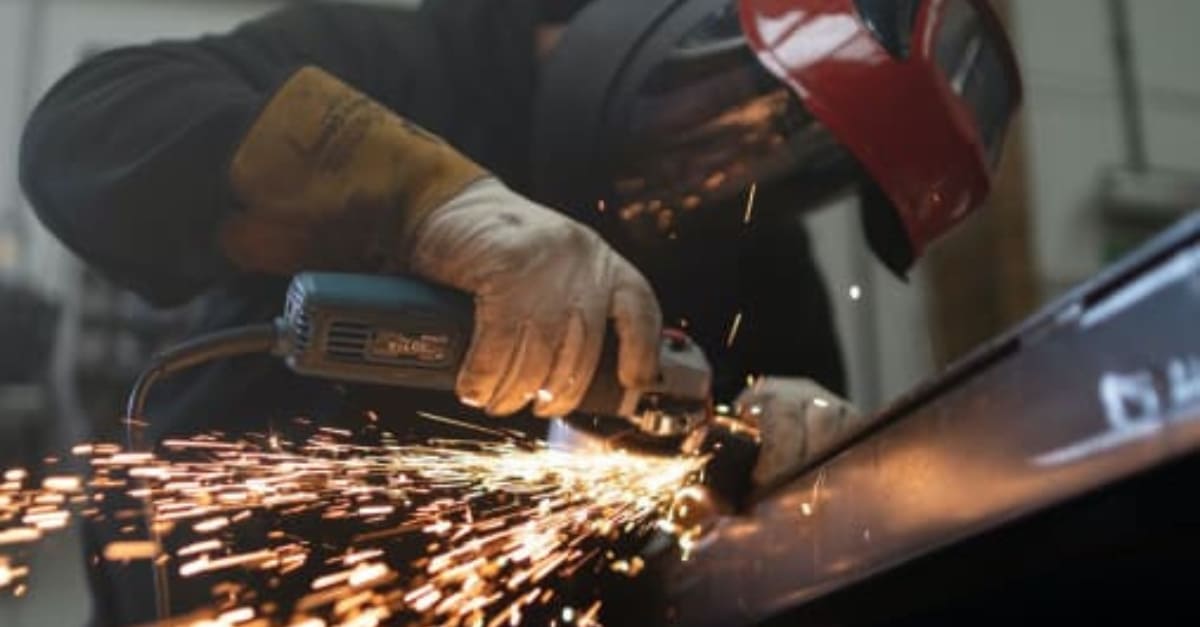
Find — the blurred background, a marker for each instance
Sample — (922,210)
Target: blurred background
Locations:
(1104,154)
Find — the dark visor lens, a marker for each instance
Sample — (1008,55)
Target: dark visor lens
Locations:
(709,121)
(968,52)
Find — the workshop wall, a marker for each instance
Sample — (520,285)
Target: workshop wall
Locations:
(1074,117)
(12,68)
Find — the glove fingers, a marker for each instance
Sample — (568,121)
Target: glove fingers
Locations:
(574,366)
(829,420)
(798,421)
(785,438)
(638,321)
(751,403)
(492,349)
(526,372)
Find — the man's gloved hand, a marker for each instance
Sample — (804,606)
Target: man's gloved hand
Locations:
(798,420)
(328,179)
(544,288)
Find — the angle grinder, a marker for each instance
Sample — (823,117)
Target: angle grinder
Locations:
(402,331)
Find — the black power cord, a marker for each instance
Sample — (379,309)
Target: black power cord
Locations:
(245,340)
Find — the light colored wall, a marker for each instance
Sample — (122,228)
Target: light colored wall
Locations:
(13,16)
(1074,119)
(1168,47)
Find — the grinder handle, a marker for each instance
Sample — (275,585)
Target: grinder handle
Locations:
(403,331)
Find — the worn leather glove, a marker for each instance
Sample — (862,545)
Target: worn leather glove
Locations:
(798,421)
(544,288)
(328,179)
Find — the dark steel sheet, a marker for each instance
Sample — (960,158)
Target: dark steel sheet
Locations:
(1099,386)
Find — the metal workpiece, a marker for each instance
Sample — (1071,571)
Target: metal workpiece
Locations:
(1100,387)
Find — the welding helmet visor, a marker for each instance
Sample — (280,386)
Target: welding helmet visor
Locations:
(921,92)
(707,122)
(676,125)
(653,113)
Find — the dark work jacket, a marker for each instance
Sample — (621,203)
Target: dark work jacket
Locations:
(125,160)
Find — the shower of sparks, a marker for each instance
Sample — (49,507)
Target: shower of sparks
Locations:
(332,531)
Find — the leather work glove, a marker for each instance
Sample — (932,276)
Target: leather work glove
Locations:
(544,288)
(798,421)
(328,179)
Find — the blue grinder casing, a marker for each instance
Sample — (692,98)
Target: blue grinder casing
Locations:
(403,331)
(376,329)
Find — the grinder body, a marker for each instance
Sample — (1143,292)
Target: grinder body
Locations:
(396,330)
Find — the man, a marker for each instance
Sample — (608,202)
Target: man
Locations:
(571,164)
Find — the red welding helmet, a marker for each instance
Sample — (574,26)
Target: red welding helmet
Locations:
(920,92)
(685,104)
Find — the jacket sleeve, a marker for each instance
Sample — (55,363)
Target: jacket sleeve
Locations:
(126,159)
